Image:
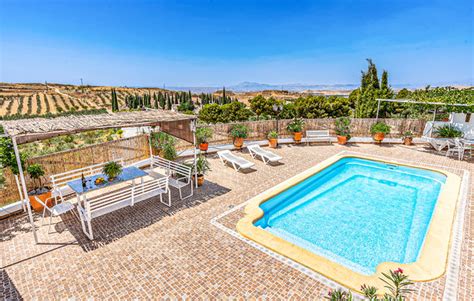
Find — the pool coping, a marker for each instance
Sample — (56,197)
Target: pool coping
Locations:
(431,263)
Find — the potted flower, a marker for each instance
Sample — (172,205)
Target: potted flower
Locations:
(202,167)
(239,132)
(202,135)
(272,139)
(407,138)
(112,170)
(296,127)
(42,192)
(379,130)
(343,131)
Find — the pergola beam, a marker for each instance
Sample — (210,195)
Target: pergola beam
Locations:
(425,102)
(29,130)
(436,104)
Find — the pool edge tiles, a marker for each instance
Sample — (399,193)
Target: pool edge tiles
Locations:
(432,259)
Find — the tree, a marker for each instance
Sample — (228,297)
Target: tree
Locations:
(403,94)
(236,111)
(168,103)
(161,100)
(370,90)
(212,113)
(186,107)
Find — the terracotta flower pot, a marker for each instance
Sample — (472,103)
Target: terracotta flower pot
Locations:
(43,197)
(342,140)
(408,140)
(273,142)
(204,146)
(378,137)
(200,180)
(238,142)
(297,137)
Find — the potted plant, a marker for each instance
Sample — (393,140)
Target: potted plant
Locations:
(379,130)
(42,192)
(202,135)
(296,127)
(163,145)
(112,170)
(343,131)
(273,139)
(239,132)
(202,167)
(448,131)
(407,138)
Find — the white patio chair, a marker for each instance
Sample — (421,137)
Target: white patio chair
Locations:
(456,147)
(56,210)
(266,156)
(237,162)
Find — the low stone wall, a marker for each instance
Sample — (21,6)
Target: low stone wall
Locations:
(130,149)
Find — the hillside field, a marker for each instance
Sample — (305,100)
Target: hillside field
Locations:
(39,99)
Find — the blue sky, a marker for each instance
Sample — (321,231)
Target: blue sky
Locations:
(219,42)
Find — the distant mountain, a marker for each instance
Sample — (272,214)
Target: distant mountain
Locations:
(255,87)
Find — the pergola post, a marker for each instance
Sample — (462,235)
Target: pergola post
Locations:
(26,200)
(378,109)
(193,129)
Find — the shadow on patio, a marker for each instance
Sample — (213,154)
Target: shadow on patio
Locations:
(115,225)
(8,289)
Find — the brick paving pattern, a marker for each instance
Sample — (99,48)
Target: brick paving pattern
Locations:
(150,251)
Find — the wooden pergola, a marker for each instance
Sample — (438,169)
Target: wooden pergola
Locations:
(29,130)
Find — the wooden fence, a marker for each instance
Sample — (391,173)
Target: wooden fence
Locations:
(130,149)
(258,130)
(136,148)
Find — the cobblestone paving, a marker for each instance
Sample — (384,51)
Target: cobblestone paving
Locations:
(151,251)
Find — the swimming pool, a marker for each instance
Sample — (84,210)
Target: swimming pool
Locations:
(346,211)
(351,217)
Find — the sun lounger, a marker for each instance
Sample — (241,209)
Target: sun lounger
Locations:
(237,162)
(265,155)
(437,144)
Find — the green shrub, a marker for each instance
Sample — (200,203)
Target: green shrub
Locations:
(203,134)
(448,131)
(296,125)
(165,143)
(272,135)
(396,282)
(112,170)
(407,134)
(380,127)
(343,127)
(239,131)
(36,172)
(202,165)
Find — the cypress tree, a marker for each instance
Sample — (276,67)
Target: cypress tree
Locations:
(168,104)
(162,100)
(384,81)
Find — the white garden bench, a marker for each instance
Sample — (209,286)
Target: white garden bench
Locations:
(180,175)
(96,206)
(318,136)
(59,181)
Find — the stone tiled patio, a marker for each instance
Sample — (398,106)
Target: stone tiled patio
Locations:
(151,251)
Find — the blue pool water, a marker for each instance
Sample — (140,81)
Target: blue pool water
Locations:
(357,212)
